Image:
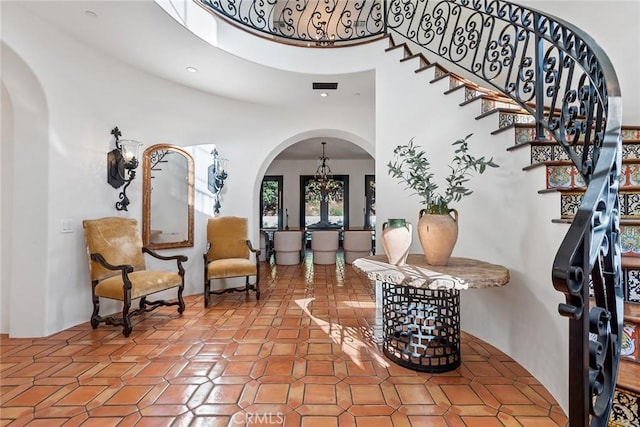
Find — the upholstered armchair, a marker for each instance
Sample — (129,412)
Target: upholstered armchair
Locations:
(118,271)
(228,255)
(356,244)
(324,244)
(288,246)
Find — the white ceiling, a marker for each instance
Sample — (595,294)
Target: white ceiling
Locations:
(141,34)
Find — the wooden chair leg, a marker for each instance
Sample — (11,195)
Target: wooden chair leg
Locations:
(180,300)
(95,317)
(126,319)
(207,290)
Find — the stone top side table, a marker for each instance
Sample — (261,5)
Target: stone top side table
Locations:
(420,306)
(460,273)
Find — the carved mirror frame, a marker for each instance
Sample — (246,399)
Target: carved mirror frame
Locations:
(152,157)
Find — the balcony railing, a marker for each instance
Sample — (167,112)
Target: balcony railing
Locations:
(313,23)
(559,75)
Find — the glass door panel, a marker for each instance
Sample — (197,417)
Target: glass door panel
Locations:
(324,206)
(271,202)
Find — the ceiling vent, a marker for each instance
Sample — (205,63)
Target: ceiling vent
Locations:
(325,86)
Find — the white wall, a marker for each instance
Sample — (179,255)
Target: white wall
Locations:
(6,217)
(292,169)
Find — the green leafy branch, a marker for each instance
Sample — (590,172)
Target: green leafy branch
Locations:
(411,166)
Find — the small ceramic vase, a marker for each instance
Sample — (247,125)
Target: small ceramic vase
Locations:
(396,240)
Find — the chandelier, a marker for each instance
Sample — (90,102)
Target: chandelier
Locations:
(322,36)
(324,176)
(323,172)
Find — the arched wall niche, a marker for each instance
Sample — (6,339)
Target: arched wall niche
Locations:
(25,216)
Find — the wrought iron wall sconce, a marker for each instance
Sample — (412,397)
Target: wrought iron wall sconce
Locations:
(121,164)
(217,174)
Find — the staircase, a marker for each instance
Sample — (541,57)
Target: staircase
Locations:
(563,178)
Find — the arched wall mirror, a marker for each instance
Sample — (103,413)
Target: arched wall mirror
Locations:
(167,208)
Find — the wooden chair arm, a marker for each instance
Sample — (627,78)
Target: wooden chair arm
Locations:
(178,258)
(125,268)
(255,251)
(181,258)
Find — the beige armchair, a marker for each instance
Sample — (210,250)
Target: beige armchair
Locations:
(288,246)
(228,255)
(324,244)
(117,269)
(356,244)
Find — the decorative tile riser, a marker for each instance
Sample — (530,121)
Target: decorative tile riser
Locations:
(630,342)
(632,285)
(630,240)
(507,119)
(566,176)
(630,134)
(490,104)
(526,134)
(551,152)
(454,83)
(629,204)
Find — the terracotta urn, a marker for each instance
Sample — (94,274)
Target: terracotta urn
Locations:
(438,233)
(396,240)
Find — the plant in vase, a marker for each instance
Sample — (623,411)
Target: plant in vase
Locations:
(438,224)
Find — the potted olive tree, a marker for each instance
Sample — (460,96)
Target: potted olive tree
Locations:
(438,224)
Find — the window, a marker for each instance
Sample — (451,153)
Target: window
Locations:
(370,200)
(271,202)
(329,210)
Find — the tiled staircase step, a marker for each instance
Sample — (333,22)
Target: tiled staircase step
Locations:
(629,374)
(570,200)
(508,117)
(525,132)
(563,174)
(630,132)
(420,57)
(403,46)
(437,71)
(548,151)
(630,251)
(489,102)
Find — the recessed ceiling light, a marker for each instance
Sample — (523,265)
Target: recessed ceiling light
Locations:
(90,13)
(324,94)
(192,69)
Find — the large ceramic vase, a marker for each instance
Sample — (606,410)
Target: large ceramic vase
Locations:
(438,234)
(396,240)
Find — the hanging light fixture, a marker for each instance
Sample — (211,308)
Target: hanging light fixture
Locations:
(322,36)
(323,173)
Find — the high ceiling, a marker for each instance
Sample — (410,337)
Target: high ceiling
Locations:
(141,34)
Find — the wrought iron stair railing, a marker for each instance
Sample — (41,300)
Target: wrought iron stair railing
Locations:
(559,75)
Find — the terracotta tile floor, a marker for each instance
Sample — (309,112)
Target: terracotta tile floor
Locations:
(304,355)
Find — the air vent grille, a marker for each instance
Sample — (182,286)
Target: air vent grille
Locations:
(325,86)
